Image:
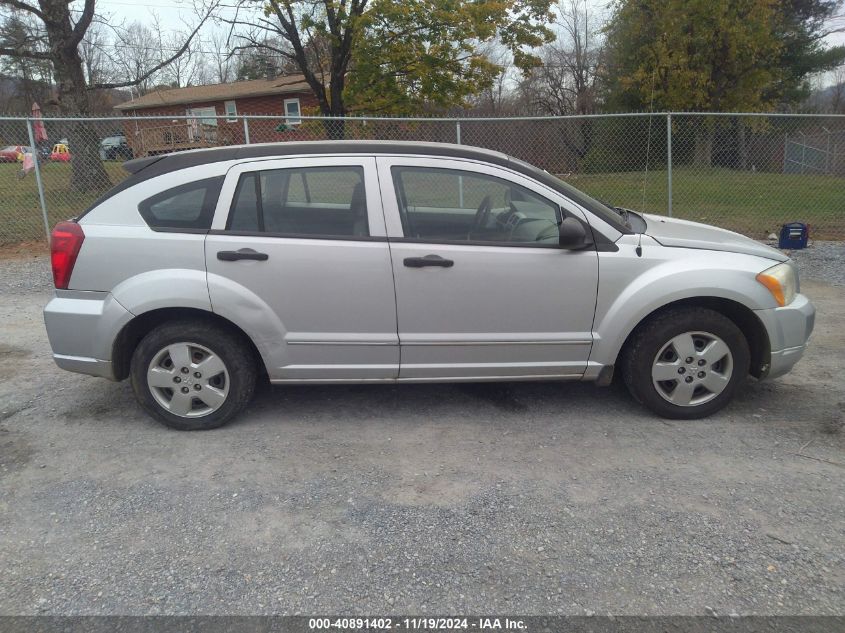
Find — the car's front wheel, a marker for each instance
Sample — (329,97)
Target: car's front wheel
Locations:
(686,362)
(192,376)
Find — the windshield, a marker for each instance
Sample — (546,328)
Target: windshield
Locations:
(606,213)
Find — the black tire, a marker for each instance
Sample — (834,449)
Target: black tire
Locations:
(652,336)
(235,353)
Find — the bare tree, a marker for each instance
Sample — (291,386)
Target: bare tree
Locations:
(837,90)
(566,83)
(138,49)
(498,98)
(95,58)
(294,23)
(181,71)
(21,33)
(582,60)
(222,61)
(64,27)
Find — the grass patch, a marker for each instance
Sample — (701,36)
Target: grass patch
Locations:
(753,203)
(20,209)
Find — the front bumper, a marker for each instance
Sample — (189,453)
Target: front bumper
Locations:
(85,365)
(82,327)
(789,329)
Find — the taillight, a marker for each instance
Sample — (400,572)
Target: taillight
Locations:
(65,243)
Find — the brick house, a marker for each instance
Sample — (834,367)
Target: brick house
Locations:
(213,108)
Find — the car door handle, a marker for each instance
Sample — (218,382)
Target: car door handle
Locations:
(243,253)
(428,260)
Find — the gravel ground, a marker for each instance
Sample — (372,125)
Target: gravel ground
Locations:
(522,498)
(822,261)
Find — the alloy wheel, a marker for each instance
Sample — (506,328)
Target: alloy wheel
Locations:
(188,380)
(692,368)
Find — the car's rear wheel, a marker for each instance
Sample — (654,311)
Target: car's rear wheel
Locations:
(686,362)
(192,376)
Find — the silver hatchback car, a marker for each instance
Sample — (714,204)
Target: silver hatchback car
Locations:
(345,262)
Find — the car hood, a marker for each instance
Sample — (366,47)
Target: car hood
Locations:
(686,234)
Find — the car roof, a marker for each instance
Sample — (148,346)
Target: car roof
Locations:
(157,165)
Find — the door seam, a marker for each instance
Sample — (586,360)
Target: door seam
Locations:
(392,268)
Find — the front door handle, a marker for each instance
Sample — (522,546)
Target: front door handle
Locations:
(243,253)
(428,260)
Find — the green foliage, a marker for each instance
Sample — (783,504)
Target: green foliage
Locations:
(803,53)
(693,54)
(741,55)
(257,64)
(414,55)
(619,145)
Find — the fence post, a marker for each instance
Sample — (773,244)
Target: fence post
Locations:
(669,159)
(38,182)
(246,131)
(460,178)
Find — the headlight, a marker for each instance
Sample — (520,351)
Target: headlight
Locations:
(781,281)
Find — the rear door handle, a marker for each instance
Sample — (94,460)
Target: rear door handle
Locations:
(428,260)
(243,253)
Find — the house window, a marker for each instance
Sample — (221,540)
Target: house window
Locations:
(206,116)
(292,114)
(231,111)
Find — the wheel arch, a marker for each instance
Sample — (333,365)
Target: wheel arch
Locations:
(749,324)
(136,329)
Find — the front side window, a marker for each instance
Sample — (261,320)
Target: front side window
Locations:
(292,113)
(309,201)
(189,206)
(454,205)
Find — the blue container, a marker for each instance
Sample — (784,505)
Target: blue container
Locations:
(794,235)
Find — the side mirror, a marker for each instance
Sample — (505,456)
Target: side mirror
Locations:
(573,235)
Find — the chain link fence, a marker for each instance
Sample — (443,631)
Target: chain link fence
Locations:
(750,173)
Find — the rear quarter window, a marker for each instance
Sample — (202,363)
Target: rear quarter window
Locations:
(188,207)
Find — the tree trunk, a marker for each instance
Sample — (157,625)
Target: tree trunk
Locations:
(587,136)
(703,156)
(337,127)
(742,146)
(74,99)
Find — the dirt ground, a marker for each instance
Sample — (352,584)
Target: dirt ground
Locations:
(431,499)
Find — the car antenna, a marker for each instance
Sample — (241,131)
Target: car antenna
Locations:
(639,249)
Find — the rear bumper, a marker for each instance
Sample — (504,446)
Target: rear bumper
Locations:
(82,327)
(789,329)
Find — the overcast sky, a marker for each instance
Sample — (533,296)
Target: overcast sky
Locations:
(177,15)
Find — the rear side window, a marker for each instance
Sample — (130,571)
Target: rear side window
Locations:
(310,201)
(188,206)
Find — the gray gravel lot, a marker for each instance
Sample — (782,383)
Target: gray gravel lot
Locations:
(823,261)
(522,498)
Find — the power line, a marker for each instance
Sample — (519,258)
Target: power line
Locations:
(171,50)
(178,2)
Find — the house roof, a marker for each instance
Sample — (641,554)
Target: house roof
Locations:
(218,92)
